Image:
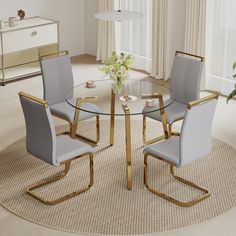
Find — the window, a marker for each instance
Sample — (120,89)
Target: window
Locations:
(220,44)
(134,37)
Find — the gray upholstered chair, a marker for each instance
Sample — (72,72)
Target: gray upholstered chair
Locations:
(42,142)
(194,143)
(185,83)
(57,84)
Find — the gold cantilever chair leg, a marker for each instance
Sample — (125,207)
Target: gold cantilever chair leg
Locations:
(74,134)
(167,197)
(45,182)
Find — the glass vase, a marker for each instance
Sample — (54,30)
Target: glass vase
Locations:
(117,86)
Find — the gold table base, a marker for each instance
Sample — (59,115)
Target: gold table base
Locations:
(128,131)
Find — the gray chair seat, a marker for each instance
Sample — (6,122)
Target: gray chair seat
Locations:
(67,148)
(173,112)
(65,110)
(168,150)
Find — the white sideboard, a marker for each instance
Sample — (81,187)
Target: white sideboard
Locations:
(23,44)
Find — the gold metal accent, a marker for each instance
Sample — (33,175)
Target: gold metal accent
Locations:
(202,100)
(35,99)
(167,197)
(171,125)
(53,54)
(128,146)
(112,118)
(163,119)
(45,182)
(73,127)
(145,134)
(191,55)
(151,96)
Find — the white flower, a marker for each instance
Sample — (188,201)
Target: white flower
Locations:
(123,68)
(119,62)
(126,73)
(112,70)
(119,73)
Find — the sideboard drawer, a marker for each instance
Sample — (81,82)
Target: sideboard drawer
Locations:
(29,38)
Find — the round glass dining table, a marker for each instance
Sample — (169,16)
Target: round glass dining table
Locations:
(138,97)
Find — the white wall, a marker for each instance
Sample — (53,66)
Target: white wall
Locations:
(91,29)
(70,14)
(78,27)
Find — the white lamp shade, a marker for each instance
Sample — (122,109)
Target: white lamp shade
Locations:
(118,15)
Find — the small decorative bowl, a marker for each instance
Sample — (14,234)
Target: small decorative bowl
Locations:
(90,84)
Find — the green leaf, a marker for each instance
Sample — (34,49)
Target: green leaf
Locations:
(234,65)
(234,76)
(231,95)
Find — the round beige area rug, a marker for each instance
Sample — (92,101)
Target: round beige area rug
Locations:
(109,208)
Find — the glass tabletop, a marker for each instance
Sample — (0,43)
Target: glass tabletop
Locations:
(140,96)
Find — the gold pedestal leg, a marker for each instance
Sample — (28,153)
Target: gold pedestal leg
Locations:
(112,118)
(128,147)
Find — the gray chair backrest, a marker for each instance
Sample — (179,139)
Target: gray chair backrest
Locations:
(40,132)
(185,79)
(195,140)
(57,78)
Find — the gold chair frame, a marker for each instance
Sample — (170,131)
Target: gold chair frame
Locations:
(64,173)
(167,130)
(206,192)
(74,125)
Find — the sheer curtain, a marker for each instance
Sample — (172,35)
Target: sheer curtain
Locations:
(135,37)
(159,39)
(195,31)
(106,32)
(220,44)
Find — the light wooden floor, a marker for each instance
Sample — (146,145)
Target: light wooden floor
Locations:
(85,68)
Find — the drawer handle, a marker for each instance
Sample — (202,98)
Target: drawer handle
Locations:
(34,33)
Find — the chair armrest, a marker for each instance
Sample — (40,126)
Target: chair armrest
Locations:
(189,54)
(202,100)
(35,99)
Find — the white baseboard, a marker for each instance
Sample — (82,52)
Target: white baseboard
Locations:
(222,85)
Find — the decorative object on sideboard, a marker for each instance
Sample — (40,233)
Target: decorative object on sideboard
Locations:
(118,15)
(1,24)
(117,67)
(21,14)
(233,93)
(12,21)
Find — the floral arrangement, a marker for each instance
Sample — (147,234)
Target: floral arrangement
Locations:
(117,67)
(233,93)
